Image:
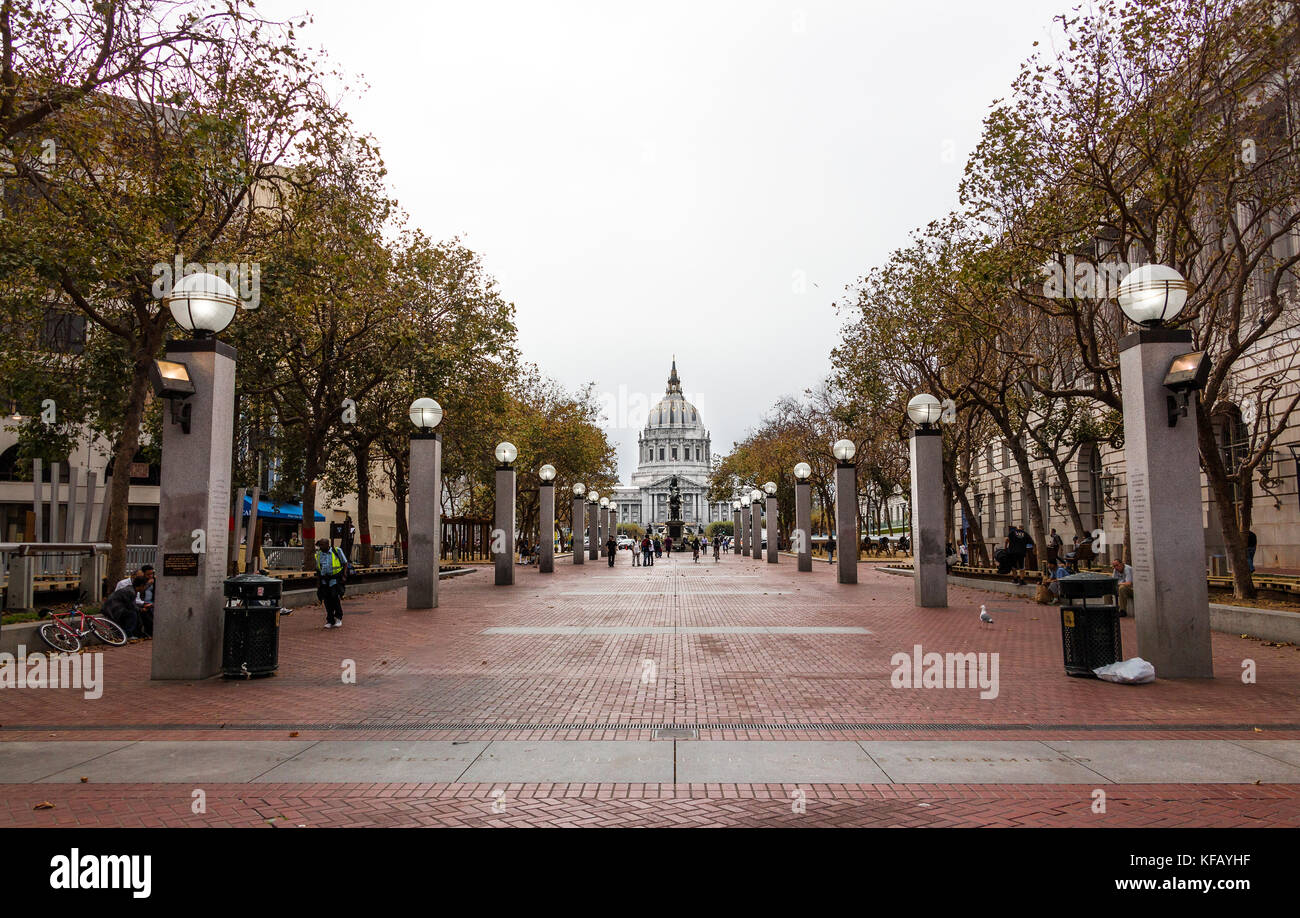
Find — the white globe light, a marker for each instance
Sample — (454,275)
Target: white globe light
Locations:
(203,304)
(1153,294)
(579,489)
(744,500)
(770,487)
(735,505)
(546,473)
(803,471)
(593,496)
(844,450)
(426,414)
(924,410)
(604,502)
(506,452)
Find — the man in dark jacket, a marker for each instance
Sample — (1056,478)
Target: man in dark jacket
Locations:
(120,607)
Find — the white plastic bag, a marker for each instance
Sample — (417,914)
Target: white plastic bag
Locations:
(1134,671)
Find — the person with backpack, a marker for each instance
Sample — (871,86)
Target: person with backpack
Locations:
(332,571)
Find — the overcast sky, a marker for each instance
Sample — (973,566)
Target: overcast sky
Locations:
(700,179)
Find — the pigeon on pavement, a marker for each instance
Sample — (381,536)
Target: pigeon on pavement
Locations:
(985,618)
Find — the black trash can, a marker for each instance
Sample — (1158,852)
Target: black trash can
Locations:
(252,634)
(1089,633)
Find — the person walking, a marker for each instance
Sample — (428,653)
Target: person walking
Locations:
(695,550)
(331,571)
(668,546)
(659,547)
(611,548)
(636,554)
(830,549)
(717,550)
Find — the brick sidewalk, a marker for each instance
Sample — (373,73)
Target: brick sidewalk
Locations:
(437,675)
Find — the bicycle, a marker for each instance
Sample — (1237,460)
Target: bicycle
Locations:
(60,634)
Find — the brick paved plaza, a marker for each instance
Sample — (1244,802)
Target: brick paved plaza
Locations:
(542,704)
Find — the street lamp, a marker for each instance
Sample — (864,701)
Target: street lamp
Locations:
(202,304)
(924,410)
(426,414)
(929,566)
(425,527)
(593,524)
(773,555)
(846,510)
(1163,476)
(803,515)
(546,525)
(1153,294)
(506,453)
(577,523)
(504,536)
(194,490)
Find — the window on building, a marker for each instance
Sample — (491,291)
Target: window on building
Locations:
(661,454)
(674,452)
(63,332)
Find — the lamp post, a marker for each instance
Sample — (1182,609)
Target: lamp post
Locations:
(602,527)
(846,510)
(593,526)
(546,526)
(423,553)
(1160,374)
(803,515)
(578,523)
(756,524)
(504,537)
(746,547)
(737,530)
(197,377)
(773,535)
(929,565)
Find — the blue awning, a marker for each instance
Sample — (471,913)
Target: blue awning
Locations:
(266,510)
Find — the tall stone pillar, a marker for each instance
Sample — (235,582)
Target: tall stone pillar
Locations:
(742,537)
(803,523)
(756,530)
(1170,593)
(424,524)
(737,529)
(773,535)
(576,530)
(546,529)
(505,525)
(593,530)
(929,564)
(193,516)
(846,521)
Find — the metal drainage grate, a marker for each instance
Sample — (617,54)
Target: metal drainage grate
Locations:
(676,733)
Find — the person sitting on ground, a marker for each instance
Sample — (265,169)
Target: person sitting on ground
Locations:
(1053,582)
(120,607)
(1124,596)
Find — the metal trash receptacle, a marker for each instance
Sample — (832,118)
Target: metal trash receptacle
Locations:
(251,641)
(1090,634)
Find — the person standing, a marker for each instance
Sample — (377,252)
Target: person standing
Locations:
(830,549)
(349,535)
(611,548)
(1017,546)
(636,554)
(695,550)
(659,547)
(647,552)
(717,550)
(331,571)
(668,546)
(1054,545)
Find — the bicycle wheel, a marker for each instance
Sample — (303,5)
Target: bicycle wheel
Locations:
(59,639)
(107,631)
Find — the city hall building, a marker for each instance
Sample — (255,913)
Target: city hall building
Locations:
(674,442)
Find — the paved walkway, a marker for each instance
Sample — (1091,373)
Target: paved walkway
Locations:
(731,693)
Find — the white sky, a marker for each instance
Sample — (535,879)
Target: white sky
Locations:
(648,179)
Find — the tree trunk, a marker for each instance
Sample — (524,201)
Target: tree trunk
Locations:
(124,454)
(361,453)
(1067,490)
(399,499)
(1027,483)
(1243,583)
(310,469)
(975,549)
